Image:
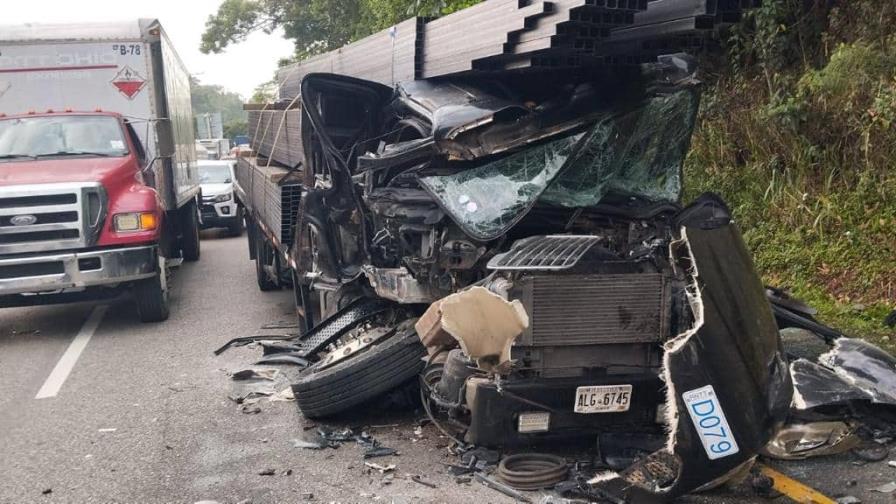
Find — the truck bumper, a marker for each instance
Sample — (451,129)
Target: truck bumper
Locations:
(219,214)
(495,411)
(56,272)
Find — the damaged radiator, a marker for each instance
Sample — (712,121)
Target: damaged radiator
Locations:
(574,310)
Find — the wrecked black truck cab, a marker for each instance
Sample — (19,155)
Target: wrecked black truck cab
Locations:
(531,229)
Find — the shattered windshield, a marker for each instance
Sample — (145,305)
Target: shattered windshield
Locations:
(637,152)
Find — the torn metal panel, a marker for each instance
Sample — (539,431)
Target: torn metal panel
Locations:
(853,371)
(728,370)
(817,439)
(865,366)
(816,386)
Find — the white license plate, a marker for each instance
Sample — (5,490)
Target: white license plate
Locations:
(603,399)
(710,422)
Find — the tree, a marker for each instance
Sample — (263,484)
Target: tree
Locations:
(211,98)
(316,26)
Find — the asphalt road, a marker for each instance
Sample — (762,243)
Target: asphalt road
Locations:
(143,415)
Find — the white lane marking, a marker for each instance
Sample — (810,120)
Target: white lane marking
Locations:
(70,357)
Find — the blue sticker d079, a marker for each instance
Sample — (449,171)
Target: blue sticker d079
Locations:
(709,420)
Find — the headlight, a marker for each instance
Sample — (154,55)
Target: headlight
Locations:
(135,221)
(221,198)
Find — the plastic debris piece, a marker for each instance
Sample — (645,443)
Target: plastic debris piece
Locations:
(886,488)
(311,440)
(417,479)
(285,395)
(379,451)
(484,323)
(381,468)
(255,374)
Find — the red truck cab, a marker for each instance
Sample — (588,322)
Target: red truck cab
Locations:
(77,216)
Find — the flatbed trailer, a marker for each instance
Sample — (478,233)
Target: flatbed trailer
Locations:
(269,195)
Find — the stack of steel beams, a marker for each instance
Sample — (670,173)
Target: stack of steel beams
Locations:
(275,133)
(388,57)
(272,194)
(513,35)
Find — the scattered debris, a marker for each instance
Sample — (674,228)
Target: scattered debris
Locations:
(250,410)
(267,472)
(255,374)
(501,487)
(255,384)
(312,440)
(46,491)
(285,395)
(287,472)
(417,479)
(382,469)
(307,496)
(379,451)
(111,429)
(848,499)
(886,488)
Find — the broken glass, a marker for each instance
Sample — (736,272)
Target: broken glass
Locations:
(485,201)
(636,152)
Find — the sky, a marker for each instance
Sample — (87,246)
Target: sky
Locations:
(240,68)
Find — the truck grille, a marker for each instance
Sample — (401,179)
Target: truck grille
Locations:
(570,310)
(46,217)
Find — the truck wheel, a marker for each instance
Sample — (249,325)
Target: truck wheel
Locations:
(151,295)
(236,227)
(264,256)
(189,245)
(251,232)
(371,373)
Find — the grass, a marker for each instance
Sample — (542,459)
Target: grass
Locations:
(808,170)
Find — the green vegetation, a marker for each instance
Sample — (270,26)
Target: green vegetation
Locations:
(798,133)
(210,99)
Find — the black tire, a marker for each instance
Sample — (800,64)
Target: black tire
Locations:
(264,256)
(236,227)
(251,233)
(372,373)
(151,295)
(189,244)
